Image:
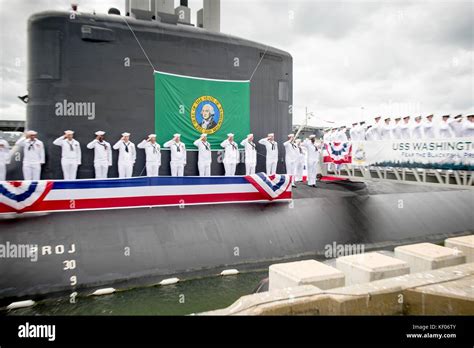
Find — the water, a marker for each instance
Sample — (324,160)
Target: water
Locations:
(192,296)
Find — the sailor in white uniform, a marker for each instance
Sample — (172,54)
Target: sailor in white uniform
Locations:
(4,157)
(354,132)
(429,129)
(456,126)
(127,155)
(376,131)
(313,152)
(204,155)
(178,155)
(370,133)
(468,127)
(327,135)
(33,155)
(361,131)
(250,154)
(70,154)
(153,155)
(417,129)
(300,162)
(102,155)
(396,129)
(340,136)
(444,129)
(405,132)
(292,154)
(386,129)
(231,155)
(272,152)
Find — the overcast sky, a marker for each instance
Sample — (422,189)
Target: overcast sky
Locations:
(352,59)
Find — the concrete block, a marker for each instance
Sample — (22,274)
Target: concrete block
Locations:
(307,272)
(464,244)
(427,256)
(367,267)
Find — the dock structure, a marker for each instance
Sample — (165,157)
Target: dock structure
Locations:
(442,290)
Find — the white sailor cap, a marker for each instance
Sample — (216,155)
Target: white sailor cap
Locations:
(68,132)
(249,135)
(99,133)
(176,135)
(151,135)
(125,134)
(312,136)
(291,135)
(230,134)
(204,135)
(270,135)
(31,132)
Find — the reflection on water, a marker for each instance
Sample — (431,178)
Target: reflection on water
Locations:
(192,296)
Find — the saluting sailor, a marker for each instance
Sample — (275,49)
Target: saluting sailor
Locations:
(178,155)
(70,154)
(405,128)
(301,161)
(444,130)
(231,155)
(272,152)
(33,155)
(204,156)
(376,131)
(468,127)
(361,131)
(250,154)
(416,129)
(456,126)
(292,155)
(429,128)
(313,151)
(4,157)
(354,132)
(153,155)
(127,155)
(102,155)
(386,129)
(396,130)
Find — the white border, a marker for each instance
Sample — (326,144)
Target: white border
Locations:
(197,78)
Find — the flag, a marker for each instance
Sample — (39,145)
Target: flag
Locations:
(191,106)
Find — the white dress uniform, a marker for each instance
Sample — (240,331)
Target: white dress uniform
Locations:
(361,133)
(153,157)
(250,156)
(417,131)
(396,131)
(457,128)
(4,158)
(204,157)
(231,156)
(326,137)
(33,157)
(300,163)
(354,133)
(405,132)
(272,154)
(102,157)
(313,152)
(70,156)
(370,134)
(429,130)
(376,131)
(386,131)
(178,157)
(340,137)
(444,130)
(292,155)
(468,129)
(126,159)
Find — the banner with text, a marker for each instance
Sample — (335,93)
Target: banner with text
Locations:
(452,153)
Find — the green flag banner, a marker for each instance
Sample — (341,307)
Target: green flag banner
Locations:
(191,106)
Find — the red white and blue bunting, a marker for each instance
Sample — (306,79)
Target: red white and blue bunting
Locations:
(94,194)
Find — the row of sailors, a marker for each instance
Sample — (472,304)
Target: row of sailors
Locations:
(34,155)
(402,128)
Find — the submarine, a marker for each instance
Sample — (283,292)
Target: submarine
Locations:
(76,57)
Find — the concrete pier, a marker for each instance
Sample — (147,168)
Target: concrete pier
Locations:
(363,268)
(427,256)
(464,243)
(307,272)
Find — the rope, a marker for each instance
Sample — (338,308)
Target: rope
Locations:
(261,58)
(139,44)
